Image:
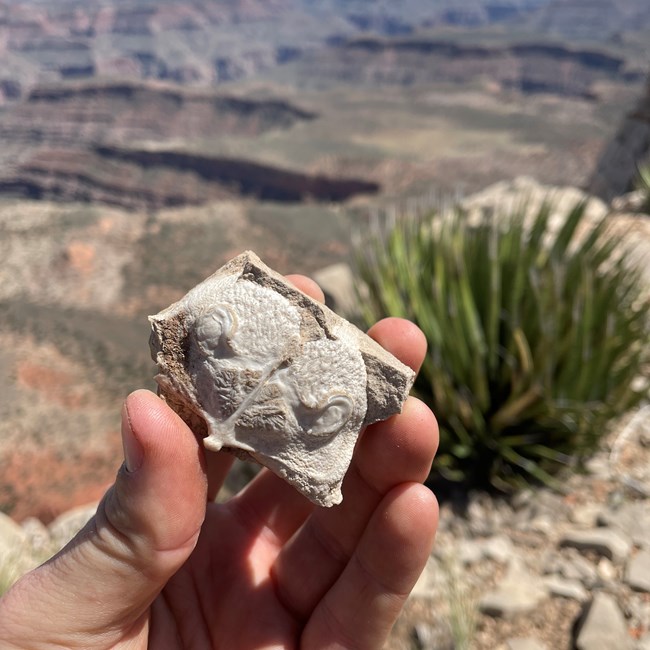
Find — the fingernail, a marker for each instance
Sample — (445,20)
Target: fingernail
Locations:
(133,452)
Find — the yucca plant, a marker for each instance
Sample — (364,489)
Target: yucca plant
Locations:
(537,335)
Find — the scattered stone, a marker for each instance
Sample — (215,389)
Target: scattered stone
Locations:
(524,643)
(598,466)
(518,593)
(602,626)
(606,570)
(637,573)
(480,517)
(338,284)
(632,519)
(12,536)
(498,548)
(429,637)
(523,499)
(67,525)
(38,536)
(577,567)
(15,553)
(470,551)
(566,589)
(586,515)
(551,504)
(430,580)
(258,368)
(605,542)
(542,524)
(630,202)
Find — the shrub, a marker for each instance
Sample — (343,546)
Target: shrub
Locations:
(537,335)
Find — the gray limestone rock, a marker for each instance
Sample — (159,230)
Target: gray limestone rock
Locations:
(630,202)
(428,637)
(69,523)
(632,519)
(577,567)
(338,284)
(431,580)
(518,593)
(258,368)
(498,548)
(637,573)
(38,536)
(586,515)
(564,588)
(607,572)
(12,536)
(15,552)
(609,543)
(602,626)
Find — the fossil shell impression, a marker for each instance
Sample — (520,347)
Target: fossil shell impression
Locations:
(258,368)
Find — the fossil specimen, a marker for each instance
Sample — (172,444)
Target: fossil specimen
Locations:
(258,368)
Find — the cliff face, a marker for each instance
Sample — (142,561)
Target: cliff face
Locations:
(204,43)
(66,114)
(183,42)
(48,141)
(139,179)
(72,141)
(530,67)
(595,20)
(617,167)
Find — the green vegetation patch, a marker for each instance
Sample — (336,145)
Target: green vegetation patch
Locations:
(538,335)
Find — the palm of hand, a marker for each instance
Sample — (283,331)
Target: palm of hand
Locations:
(288,575)
(157,569)
(225,591)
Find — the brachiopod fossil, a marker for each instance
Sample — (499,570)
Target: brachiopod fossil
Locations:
(260,369)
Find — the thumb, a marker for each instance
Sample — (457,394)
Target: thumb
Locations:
(103,582)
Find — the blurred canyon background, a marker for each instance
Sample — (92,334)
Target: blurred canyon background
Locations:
(143,143)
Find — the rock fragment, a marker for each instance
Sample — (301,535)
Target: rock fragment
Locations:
(258,368)
(604,541)
(69,523)
(564,588)
(12,536)
(602,626)
(632,519)
(518,593)
(637,573)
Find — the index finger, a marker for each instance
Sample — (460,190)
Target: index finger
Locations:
(307,285)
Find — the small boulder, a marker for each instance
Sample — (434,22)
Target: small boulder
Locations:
(604,541)
(637,573)
(602,626)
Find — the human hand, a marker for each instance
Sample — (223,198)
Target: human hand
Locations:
(161,566)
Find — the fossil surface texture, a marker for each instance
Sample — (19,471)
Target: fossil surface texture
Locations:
(258,368)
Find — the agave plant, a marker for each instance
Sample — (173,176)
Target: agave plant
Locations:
(538,335)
